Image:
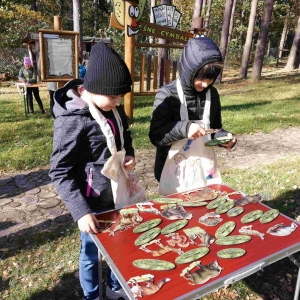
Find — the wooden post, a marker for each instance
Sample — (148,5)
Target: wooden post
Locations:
(142,72)
(162,71)
(57,26)
(174,70)
(167,72)
(149,57)
(129,60)
(155,68)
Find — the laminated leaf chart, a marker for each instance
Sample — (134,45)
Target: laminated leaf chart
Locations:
(60,57)
(59,54)
(182,256)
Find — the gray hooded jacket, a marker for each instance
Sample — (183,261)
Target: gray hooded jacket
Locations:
(79,153)
(166,126)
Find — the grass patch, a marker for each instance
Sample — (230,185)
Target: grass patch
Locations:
(247,107)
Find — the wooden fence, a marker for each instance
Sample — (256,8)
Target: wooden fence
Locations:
(148,76)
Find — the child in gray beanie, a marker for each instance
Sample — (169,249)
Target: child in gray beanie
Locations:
(80,151)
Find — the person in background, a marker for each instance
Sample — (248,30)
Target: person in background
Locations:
(52,87)
(80,151)
(28,75)
(82,69)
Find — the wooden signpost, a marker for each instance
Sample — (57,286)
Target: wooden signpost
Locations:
(127,20)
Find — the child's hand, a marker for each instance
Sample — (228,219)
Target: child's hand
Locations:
(129,162)
(195,131)
(88,224)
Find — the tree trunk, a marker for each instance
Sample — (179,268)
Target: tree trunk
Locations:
(197,10)
(231,25)
(262,40)
(290,65)
(151,38)
(33,5)
(61,7)
(163,53)
(283,37)
(207,16)
(225,31)
(248,42)
(202,13)
(96,16)
(77,21)
(70,15)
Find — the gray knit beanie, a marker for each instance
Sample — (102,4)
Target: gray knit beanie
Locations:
(107,73)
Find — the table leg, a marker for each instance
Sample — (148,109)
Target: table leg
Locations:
(297,288)
(100,274)
(25,106)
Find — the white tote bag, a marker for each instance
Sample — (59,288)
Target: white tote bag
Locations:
(126,188)
(190,164)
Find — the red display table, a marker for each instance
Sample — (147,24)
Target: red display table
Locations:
(119,251)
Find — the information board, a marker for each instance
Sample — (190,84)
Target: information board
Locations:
(59,55)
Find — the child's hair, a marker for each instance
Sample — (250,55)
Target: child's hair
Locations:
(210,71)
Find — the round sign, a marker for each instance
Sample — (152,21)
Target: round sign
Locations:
(215,203)
(223,208)
(188,203)
(166,200)
(269,216)
(153,264)
(233,240)
(147,225)
(235,211)
(231,253)
(174,226)
(252,216)
(147,236)
(191,255)
(225,229)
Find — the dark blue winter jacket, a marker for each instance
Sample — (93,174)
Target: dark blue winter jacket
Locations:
(79,153)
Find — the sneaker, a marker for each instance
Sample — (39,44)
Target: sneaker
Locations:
(116,295)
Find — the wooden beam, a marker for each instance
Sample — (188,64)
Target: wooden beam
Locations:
(174,70)
(148,45)
(145,94)
(148,72)
(129,60)
(155,68)
(167,72)
(142,72)
(151,29)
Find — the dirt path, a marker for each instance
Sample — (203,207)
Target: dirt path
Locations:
(260,148)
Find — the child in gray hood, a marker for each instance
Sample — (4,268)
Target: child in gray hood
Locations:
(200,65)
(80,151)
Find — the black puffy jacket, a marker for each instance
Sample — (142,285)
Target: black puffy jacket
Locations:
(166,126)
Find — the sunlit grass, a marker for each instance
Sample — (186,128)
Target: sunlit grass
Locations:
(247,107)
